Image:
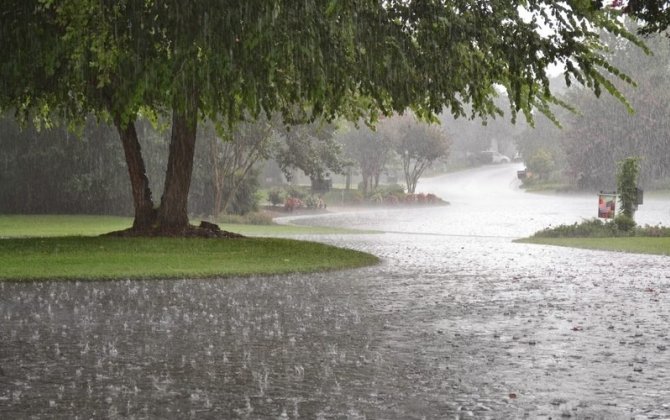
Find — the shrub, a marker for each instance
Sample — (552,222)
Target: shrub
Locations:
(541,163)
(627,174)
(293,203)
(296,192)
(433,199)
(394,189)
(410,198)
(357,197)
(311,202)
(276,196)
(595,228)
(624,223)
(245,199)
(391,200)
(587,228)
(653,231)
(376,198)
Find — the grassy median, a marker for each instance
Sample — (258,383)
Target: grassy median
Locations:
(640,245)
(46,248)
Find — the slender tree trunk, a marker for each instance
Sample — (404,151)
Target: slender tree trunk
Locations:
(365,183)
(145,214)
(408,176)
(173,211)
(217,182)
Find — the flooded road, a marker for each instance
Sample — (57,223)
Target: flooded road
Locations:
(487,201)
(457,322)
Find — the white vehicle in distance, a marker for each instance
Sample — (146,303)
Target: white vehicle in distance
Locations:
(490,156)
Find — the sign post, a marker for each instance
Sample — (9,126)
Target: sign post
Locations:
(606,205)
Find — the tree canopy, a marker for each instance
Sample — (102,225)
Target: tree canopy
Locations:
(654,14)
(587,149)
(223,60)
(418,145)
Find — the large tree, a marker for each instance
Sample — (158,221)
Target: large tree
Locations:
(196,59)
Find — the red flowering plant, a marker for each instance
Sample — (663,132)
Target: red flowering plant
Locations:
(293,203)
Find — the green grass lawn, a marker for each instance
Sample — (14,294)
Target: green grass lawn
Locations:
(17,226)
(635,244)
(13,226)
(68,247)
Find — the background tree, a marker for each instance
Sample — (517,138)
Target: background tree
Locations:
(603,132)
(369,149)
(545,139)
(627,172)
(233,155)
(53,171)
(311,148)
(207,59)
(417,143)
(653,14)
(541,163)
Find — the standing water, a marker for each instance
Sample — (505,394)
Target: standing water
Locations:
(457,322)
(488,201)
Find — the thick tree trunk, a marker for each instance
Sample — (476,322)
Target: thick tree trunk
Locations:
(173,211)
(145,214)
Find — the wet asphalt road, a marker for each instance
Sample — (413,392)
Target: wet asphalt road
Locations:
(457,322)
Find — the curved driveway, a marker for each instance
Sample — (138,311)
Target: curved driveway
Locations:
(456,322)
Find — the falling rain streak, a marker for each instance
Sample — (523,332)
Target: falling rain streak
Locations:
(459,322)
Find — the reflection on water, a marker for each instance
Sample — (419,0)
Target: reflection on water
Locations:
(459,323)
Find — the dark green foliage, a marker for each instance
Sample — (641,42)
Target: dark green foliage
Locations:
(311,202)
(244,199)
(596,228)
(624,223)
(276,196)
(654,14)
(627,174)
(657,231)
(261,56)
(603,132)
(204,59)
(53,171)
(588,228)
